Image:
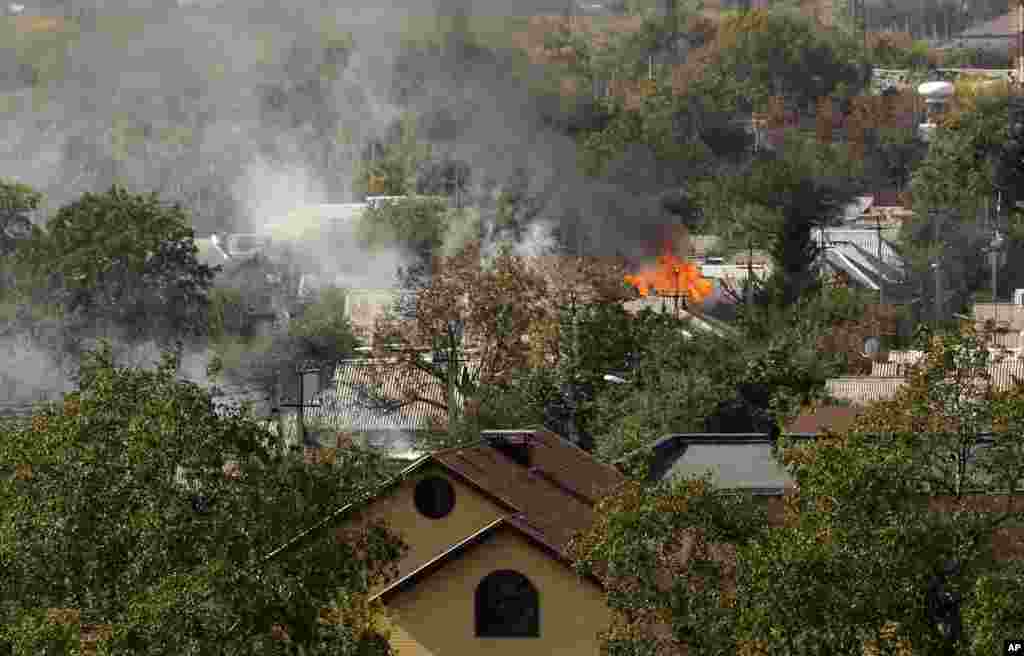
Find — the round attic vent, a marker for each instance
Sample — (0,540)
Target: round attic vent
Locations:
(434,497)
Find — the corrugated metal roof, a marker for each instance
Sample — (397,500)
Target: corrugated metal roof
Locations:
(863,389)
(372,395)
(905,357)
(1002,372)
(889,369)
(865,239)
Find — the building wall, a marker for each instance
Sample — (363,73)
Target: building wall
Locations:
(436,616)
(428,538)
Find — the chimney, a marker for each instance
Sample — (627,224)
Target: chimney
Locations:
(514,444)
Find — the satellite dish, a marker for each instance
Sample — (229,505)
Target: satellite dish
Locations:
(872,346)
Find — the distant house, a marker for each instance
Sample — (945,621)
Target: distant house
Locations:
(367,405)
(996,35)
(697,321)
(488,527)
(864,258)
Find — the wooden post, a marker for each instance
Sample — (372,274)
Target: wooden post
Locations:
(277,408)
(1020,42)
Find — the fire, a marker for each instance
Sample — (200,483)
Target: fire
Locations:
(670,276)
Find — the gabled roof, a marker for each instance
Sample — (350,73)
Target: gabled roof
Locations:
(554,494)
(861,267)
(515,522)
(556,491)
(866,239)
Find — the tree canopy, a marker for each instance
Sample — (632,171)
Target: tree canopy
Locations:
(137,506)
(846,563)
(17,202)
(122,259)
(953,224)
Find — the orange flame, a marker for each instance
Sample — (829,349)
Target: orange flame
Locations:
(671,276)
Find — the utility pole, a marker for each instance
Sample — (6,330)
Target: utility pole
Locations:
(881,282)
(750,275)
(1020,43)
(938,272)
(570,371)
(301,405)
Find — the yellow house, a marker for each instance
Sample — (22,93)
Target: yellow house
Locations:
(487,526)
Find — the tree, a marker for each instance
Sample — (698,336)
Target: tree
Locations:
(97,527)
(731,67)
(801,189)
(580,335)
(784,54)
(320,334)
(883,507)
(674,383)
(394,167)
(667,554)
(876,513)
(125,260)
(418,225)
(17,201)
(899,153)
(472,315)
(953,224)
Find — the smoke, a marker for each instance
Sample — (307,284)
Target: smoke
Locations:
(31,372)
(245,110)
(267,192)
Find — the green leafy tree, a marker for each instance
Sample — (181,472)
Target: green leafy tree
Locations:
(125,260)
(17,202)
(952,223)
(674,383)
(320,334)
(416,224)
(781,53)
(139,510)
(899,151)
(792,193)
(682,111)
(667,554)
(876,514)
(913,471)
(394,166)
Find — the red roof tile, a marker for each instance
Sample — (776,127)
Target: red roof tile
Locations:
(835,417)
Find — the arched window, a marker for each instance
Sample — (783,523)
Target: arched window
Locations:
(507,606)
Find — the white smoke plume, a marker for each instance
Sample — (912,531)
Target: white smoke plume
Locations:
(225,107)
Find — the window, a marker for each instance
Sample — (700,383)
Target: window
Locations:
(506,606)
(434,497)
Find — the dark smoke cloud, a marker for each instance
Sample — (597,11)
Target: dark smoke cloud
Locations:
(217,105)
